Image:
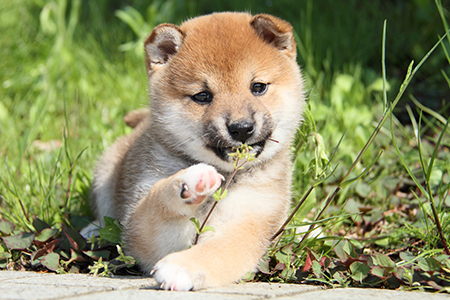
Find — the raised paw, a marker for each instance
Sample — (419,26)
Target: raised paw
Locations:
(199,181)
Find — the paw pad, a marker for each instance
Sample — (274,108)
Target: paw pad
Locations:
(200,181)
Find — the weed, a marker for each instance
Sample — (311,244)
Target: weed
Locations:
(240,157)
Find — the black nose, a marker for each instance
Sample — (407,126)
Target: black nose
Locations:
(241,131)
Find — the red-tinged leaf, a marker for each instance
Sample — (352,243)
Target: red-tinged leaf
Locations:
(38,253)
(46,234)
(96,254)
(75,256)
(435,286)
(76,241)
(308,263)
(48,248)
(19,241)
(325,262)
(51,261)
(351,260)
(6,227)
(378,272)
(280,266)
(39,225)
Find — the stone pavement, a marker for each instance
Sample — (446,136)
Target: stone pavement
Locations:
(30,285)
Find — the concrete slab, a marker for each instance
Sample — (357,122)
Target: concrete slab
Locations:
(29,285)
(368,294)
(45,286)
(162,295)
(264,289)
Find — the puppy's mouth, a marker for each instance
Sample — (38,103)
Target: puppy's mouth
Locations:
(223,152)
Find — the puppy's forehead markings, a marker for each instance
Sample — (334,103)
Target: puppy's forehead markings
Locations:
(222,56)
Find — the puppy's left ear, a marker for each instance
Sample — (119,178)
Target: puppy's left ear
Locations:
(275,31)
(164,42)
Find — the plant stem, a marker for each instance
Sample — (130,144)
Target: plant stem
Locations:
(69,184)
(293,213)
(216,202)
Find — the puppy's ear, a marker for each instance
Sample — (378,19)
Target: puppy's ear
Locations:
(161,44)
(275,31)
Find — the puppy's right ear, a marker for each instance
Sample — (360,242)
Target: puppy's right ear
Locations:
(161,44)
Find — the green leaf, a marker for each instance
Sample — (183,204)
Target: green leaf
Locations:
(317,269)
(344,249)
(224,194)
(216,194)
(263,266)
(4,255)
(6,227)
(339,250)
(196,223)
(359,271)
(407,256)
(19,241)
(382,242)
(208,228)
(46,235)
(385,262)
(51,261)
(39,225)
(429,264)
(363,189)
(112,232)
(96,254)
(379,272)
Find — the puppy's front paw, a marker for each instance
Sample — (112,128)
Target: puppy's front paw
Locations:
(200,181)
(172,277)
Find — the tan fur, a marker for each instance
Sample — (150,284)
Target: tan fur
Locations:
(165,172)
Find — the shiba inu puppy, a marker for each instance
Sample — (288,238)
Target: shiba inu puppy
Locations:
(215,82)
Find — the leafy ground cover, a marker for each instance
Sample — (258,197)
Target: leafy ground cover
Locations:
(75,68)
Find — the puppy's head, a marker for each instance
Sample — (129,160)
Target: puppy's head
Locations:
(222,80)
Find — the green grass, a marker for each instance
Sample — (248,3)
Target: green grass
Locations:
(75,68)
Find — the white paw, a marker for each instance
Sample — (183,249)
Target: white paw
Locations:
(200,181)
(172,277)
(91,229)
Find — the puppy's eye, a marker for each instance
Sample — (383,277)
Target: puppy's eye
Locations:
(258,88)
(204,97)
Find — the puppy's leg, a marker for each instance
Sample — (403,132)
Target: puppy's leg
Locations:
(224,258)
(160,223)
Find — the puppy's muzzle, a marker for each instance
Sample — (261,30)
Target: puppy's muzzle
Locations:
(241,131)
